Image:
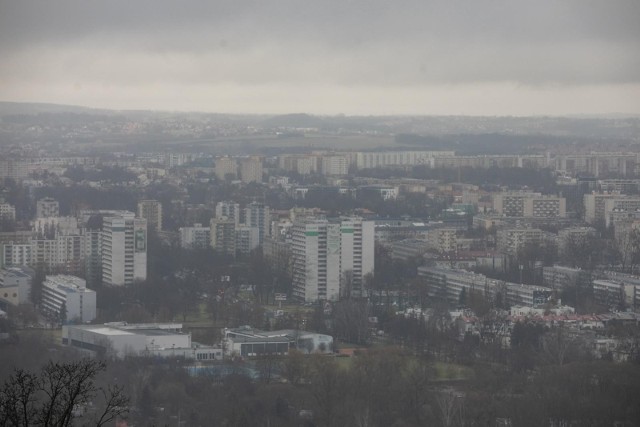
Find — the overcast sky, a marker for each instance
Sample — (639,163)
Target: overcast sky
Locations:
(475,57)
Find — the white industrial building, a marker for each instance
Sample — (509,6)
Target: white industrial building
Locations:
(246,341)
(144,339)
(331,257)
(71,293)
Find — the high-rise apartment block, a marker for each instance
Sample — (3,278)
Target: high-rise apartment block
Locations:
(330,258)
(228,209)
(594,207)
(334,165)
(226,168)
(259,216)
(532,205)
(251,170)
(247,239)
(47,207)
(223,236)
(151,210)
(7,212)
(123,249)
(196,237)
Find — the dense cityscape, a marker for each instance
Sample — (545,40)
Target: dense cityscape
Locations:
(288,273)
(333,213)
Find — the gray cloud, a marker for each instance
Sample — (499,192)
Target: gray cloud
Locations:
(286,43)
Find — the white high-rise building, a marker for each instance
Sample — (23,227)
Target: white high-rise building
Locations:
(228,209)
(259,216)
(331,257)
(123,249)
(47,207)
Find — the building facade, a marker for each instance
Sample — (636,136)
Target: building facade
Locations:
(123,249)
(69,293)
(331,258)
(151,210)
(47,207)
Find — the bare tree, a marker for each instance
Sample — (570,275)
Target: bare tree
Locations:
(58,395)
(451,407)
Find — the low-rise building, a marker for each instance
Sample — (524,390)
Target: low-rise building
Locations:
(15,284)
(120,339)
(68,293)
(246,341)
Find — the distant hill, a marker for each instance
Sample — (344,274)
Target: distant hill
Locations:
(32,108)
(294,121)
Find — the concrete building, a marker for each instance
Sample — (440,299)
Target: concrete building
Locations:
(302,164)
(444,240)
(7,212)
(277,252)
(612,293)
(223,235)
(334,165)
(228,209)
(15,284)
(16,254)
(226,168)
(120,339)
(247,239)
(251,170)
(561,277)
(123,249)
(70,293)
(449,284)
(331,258)
(51,227)
(259,216)
(196,237)
(47,207)
(151,210)
(63,253)
(594,206)
(381,159)
(518,204)
(574,235)
(619,208)
(16,170)
(597,163)
(250,342)
(511,240)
